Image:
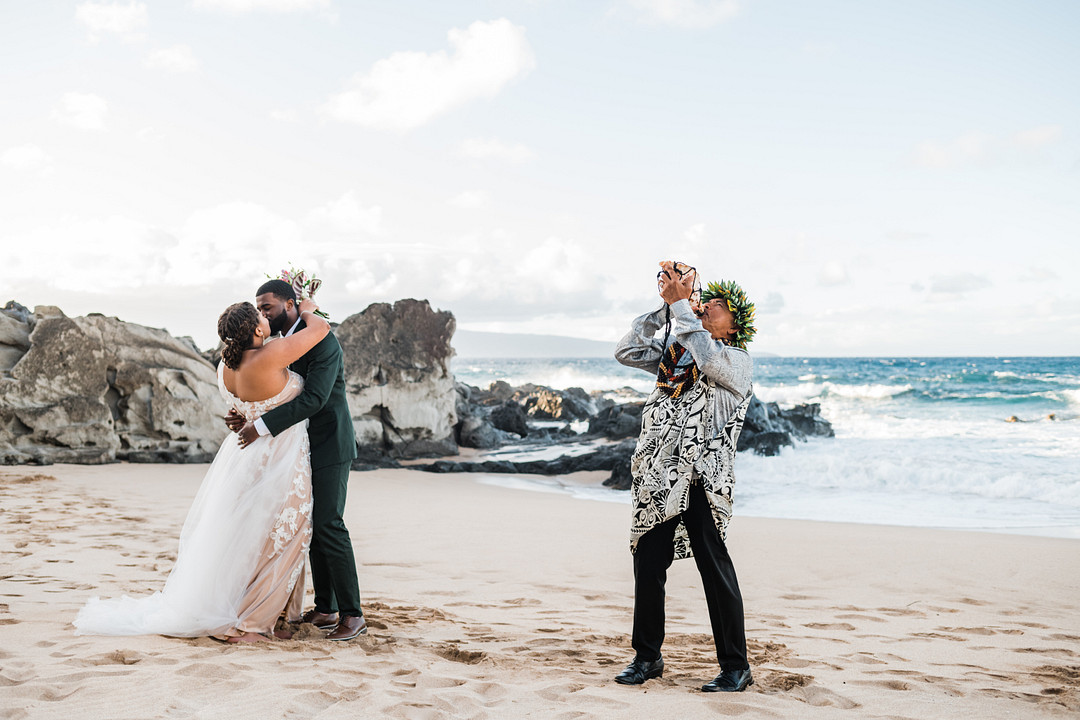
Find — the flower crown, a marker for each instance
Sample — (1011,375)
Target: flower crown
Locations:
(739,305)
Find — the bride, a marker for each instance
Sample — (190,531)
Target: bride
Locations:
(242,551)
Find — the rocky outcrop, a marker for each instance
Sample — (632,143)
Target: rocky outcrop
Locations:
(398,381)
(485,424)
(96,389)
(617,421)
(768,427)
(602,457)
(544,403)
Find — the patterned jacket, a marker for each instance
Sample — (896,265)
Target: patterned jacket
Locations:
(689,438)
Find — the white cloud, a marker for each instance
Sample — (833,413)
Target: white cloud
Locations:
(832,273)
(772,304)
(236,242)
(372,278)
(562,266)
(686,13)
(409,89)
(233,240)
(1038,274)
(981,147)
(906,235)
(345,216)
(485,148)
(85,111)
(958,283)
(285,116)
(471,200)
(27,158)
(695,234)
(1038,137)
(96,256)
(126,20)
(149,134)
(239,7)
(972,146)
(177,59)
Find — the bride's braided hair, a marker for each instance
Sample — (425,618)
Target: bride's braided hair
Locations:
(235,327)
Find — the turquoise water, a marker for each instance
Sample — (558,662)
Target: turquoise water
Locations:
(919,441)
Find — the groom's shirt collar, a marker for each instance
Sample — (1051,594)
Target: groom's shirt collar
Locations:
(293,328)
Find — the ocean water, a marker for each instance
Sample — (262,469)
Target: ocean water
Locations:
(924,442)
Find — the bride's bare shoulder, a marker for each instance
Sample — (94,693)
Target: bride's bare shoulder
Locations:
(255,379)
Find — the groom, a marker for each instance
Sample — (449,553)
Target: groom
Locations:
(333,447)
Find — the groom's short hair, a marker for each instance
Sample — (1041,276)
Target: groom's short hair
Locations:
(281,289)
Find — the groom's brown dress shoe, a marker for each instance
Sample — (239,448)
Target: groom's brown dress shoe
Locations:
(349,627)
(321,620)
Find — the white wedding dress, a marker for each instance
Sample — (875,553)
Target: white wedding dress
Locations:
(243,547)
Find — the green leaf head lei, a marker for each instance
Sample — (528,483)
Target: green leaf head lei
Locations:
(739,305)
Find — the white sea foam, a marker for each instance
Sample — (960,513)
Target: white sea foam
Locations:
(563,377)
(818,391)
(922,442)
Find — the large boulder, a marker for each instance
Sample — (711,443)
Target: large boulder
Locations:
(767,427)
(96,389)
(617,421)
(544,403)
(511,418)
(398,381)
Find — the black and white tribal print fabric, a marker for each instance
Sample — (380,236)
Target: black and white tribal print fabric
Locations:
(680,444)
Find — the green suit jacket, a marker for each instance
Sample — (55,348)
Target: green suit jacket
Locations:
(323,402)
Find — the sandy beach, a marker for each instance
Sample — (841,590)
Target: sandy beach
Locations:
(488,602)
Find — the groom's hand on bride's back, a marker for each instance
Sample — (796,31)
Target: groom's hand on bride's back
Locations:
(234,420)
(247,435)
(244,429)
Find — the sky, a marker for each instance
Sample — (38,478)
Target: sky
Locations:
(883,178)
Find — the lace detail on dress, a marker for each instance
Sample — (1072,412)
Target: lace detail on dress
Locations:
(252,410)
(295,515)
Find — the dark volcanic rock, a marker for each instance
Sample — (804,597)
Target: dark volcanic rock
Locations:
(768,443)
(496,394)
(621,479)
(544,403)
(767,427)
(806,420)
(398,381)
(511,418)
(604,457)
(617,421)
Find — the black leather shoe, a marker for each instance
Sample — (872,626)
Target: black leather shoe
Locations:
(639,671)
(729,681)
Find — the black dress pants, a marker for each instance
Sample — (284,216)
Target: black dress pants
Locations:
(654,555)
(333,567)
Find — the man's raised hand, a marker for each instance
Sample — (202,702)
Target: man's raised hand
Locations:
(673,285)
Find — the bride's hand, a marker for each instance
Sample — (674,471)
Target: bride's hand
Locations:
(308,305)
